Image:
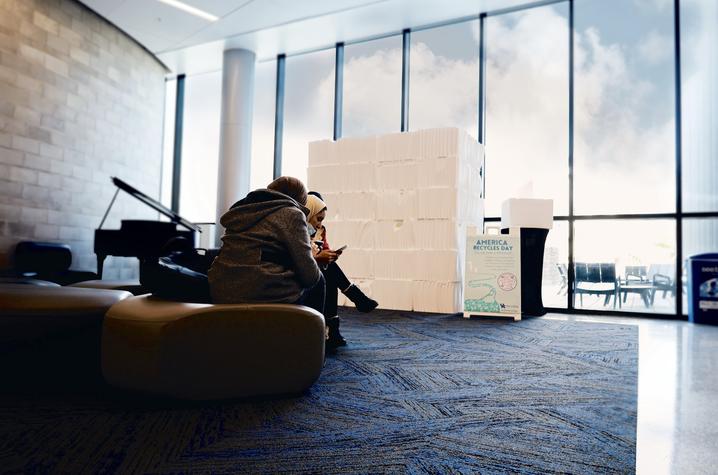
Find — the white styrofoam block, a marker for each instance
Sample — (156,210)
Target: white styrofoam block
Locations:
(441,142)
(450,203)
(471,150)
(350,206)
(393,294)
(397,175)
(471,208)
(357,177)
(439,265)
(396,204)
(438,297)
(416,151)
(360,234)
(394,147)
(438,172)
(395,264)
(450,142)
(356,150)
(332,199)
(418,190)
(439,234)
(395,234)
(322,152)
(325,178)
(527,213)
(357,263)
(437,203)
(470,177)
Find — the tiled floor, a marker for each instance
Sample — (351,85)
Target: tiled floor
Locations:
(677,395)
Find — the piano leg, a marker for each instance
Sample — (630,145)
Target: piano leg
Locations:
(100,263)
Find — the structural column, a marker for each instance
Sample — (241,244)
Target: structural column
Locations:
(235,147)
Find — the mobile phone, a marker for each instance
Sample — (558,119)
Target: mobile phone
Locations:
(341,248)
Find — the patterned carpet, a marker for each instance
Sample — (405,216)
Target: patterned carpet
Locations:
(413,393)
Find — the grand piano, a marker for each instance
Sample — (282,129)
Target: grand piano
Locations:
(144,239)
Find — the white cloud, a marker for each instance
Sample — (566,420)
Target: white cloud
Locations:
(372,93)
(442,91)
(308,109)
(655,48)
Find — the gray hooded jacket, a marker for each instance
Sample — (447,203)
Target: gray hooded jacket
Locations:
(265,255)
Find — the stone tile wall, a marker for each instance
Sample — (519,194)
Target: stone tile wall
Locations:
(80,101)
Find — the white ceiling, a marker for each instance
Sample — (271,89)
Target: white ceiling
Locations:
(189,44)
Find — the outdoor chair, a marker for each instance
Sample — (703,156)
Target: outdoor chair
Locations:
(662,277)
(597,279)
(563,274)
(636,274)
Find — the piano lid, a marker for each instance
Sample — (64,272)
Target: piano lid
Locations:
(153,203)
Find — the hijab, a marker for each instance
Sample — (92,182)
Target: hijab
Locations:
(315,206)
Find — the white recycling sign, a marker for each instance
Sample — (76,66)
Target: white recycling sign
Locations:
(492,274)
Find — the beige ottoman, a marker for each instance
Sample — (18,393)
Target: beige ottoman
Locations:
(50,335)
(132,286)
(204,351)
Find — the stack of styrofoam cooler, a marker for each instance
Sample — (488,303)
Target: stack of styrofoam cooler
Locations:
(402,203)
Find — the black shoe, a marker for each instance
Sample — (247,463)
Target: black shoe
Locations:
(334,339)
(363,303)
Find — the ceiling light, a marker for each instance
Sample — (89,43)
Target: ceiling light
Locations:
(190,9)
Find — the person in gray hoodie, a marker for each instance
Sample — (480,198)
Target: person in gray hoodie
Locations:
(266,255)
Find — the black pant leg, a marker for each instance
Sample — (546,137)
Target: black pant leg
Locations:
(340,278)
(314,297)
(331,298)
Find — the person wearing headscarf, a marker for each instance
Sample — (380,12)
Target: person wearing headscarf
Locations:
(266,255)
(333,274)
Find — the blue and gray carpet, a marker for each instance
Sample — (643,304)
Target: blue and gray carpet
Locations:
(412,393)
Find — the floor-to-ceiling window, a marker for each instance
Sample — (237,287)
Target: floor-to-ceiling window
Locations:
(555,266)
(699,61)
(308,108)
(625,153)
(526,131)
(168,142)
(444,64)
(262,161)
(372,87)
(200,147)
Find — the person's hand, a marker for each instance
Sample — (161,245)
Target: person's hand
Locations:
(326,257)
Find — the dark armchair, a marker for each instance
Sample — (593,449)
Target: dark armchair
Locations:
(636,274)
(597,279)
(44,261)
(662,277)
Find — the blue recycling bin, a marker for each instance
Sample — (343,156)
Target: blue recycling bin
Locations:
(703,288)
